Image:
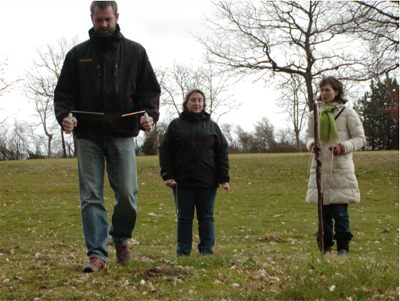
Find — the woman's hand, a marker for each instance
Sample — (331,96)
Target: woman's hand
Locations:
(313,148)
(225,186)
(170,183)
(337,149)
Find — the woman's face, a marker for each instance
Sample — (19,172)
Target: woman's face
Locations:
(195,103)
(328,94)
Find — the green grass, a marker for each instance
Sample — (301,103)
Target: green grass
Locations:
(265,236)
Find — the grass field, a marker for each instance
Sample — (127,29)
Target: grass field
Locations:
(265,236)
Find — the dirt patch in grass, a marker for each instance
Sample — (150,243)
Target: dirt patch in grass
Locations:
(159,272)
(271,238)
(8,251)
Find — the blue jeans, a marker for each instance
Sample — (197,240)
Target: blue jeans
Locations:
(119,154)
(337,212)
(187,200)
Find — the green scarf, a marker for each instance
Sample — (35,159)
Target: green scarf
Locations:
(327,125)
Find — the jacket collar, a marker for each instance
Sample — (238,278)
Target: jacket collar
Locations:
(106,42)
(322,105)
(195,117)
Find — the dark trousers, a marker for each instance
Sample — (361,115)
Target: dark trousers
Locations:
(339,214)
(187,200)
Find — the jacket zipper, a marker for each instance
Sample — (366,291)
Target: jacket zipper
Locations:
(192,148)
(116,78)
(98,81)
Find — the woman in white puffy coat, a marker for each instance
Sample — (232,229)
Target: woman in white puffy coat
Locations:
(341,132)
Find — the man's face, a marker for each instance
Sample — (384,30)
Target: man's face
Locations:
(104,21)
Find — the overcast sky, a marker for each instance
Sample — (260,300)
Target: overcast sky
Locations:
(165,28)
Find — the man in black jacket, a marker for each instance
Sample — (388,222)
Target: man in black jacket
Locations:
(103,81)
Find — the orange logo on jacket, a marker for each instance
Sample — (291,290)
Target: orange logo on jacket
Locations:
(86,60)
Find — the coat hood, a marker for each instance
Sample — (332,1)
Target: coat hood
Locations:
(106,42)
(194,117)
(322,105)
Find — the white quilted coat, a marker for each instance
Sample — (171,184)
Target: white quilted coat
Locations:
(338,180)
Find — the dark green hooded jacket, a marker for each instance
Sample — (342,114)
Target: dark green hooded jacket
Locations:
(194,152)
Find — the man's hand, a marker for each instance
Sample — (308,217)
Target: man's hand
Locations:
(225,186)
(170,183)
(147,122)
(69,123)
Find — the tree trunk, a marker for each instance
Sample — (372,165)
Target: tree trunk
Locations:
(310,94)
(49,155)
(297,132)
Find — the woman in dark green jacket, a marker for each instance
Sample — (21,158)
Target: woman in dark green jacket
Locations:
(194,162)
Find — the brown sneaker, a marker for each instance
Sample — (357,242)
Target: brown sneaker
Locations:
(123,254)
(94,264)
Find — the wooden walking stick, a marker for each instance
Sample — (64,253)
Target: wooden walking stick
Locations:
(134,113)
(100,113)
(318,179)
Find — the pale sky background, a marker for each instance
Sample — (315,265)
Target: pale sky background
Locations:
(163,27)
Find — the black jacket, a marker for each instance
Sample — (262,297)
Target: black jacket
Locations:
(194,152)
(110,75)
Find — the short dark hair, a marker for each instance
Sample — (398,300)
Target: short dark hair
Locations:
(103,5)
(336,85)
(187,96)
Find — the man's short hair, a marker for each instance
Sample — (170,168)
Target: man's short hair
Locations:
(103,5)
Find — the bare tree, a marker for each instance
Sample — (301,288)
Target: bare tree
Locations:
(264,136)
(304,38)
(245,140)
(5,86)
(286,142)
(40,81)
(4,147)
(377,22)
(216,88)
(261,140)
(14,142)
(175,82)
(229,133)
(294,102)
(37,142)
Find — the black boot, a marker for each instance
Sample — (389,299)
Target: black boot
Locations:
(327,245)
(342,246)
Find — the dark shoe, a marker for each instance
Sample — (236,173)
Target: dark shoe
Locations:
(123,254)
(207,253)
(326,251)
(342,246)
(94,264)
(179,254)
